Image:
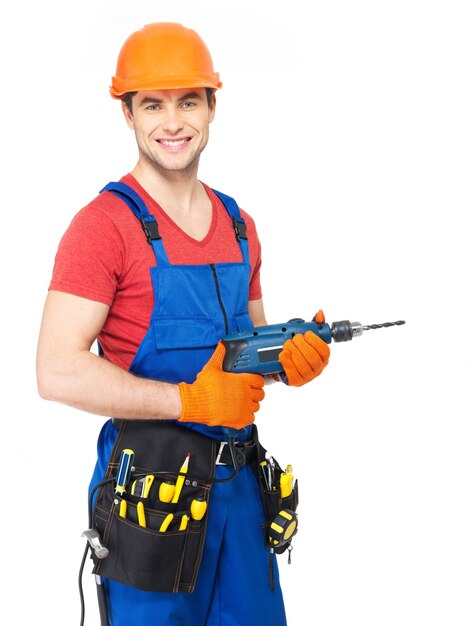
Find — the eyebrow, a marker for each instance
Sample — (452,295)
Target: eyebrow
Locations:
(192,95)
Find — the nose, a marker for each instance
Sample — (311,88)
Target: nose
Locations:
(172,122)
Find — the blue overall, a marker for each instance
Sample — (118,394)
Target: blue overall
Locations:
(194,306)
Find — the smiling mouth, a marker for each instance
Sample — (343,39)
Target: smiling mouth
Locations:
(173,143)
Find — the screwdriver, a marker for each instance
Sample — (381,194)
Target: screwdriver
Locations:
(198,508)
(166,491)
(124,470)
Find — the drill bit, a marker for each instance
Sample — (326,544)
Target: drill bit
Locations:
(345,330)
(384,325)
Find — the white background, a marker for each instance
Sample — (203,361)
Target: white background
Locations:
(346,132)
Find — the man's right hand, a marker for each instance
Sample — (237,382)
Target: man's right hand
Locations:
(219,398)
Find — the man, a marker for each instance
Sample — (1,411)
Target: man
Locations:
(159,301)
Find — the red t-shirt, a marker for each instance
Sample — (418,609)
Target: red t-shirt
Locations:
(104,256)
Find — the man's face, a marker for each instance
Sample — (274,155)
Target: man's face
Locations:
(171,126)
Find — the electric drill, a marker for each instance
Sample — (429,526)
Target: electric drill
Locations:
(256,351)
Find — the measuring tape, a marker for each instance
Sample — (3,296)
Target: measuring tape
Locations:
(283,527)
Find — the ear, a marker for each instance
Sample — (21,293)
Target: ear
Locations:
(212,108)
(128,115)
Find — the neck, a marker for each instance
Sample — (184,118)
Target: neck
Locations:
(173,191)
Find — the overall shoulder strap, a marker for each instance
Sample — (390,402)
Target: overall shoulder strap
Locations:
(239,224)
(148,221)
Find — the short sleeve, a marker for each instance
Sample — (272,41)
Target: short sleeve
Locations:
(89,258)
(255,253)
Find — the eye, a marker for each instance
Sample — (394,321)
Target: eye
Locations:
(188,105)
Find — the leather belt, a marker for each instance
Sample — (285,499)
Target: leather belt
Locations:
(245,452)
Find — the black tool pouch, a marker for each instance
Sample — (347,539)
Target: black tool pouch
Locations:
(272,499)
(144,557)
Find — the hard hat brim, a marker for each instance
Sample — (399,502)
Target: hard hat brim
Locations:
(119,87)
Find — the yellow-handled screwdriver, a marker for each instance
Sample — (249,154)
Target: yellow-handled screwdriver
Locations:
(166,491)
(124,470)
(198,508)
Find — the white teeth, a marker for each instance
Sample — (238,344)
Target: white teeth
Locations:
(167,142)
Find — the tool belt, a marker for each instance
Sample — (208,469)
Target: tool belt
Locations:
(144,556)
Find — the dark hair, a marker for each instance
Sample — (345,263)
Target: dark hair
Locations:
(128,98)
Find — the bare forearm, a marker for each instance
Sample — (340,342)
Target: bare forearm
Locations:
(69,373)
(90,383)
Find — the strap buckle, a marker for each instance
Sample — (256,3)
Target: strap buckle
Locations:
(150,227)
(239,226)
(237,454)
(220,452)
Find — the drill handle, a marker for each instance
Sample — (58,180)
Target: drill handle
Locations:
(234,348)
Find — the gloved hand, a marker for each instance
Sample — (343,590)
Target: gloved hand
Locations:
(220,398)
(303,358)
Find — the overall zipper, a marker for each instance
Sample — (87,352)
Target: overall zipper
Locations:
(218,293)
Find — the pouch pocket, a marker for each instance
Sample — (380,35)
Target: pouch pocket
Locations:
(273,504)
(145,558)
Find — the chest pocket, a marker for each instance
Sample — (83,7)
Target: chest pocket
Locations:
(171,333)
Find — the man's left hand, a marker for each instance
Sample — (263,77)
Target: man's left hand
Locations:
(303,358)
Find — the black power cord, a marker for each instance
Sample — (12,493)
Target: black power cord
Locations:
(232,451)
(84,558)
(81,591)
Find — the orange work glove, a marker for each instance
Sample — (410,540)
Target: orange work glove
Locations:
(303,358)
(220,398)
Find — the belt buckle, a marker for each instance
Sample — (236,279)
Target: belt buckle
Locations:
(220,452)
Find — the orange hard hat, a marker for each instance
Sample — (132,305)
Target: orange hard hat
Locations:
(163,55)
